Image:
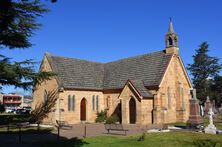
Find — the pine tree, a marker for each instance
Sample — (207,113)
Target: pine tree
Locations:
(216,89)
(18,21)
(204,68)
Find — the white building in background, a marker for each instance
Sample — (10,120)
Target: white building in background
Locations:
(27,101)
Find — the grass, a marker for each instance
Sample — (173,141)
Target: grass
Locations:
(175,139)
(160,139)
(217,122)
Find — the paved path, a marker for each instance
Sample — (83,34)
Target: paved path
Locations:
(98,129)
(78,130)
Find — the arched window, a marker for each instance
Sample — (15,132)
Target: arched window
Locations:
(107,102)
(182,96)
(169,97)
(170,41)
(93,102)
(97,103)
(69,102)
(73,102)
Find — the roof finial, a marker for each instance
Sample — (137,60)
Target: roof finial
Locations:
(46,53)
(170,30)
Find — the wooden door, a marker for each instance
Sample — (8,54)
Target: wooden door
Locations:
(83,110)
(132,111)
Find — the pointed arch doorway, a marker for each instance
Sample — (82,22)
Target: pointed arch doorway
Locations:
(83,110)
(132,111)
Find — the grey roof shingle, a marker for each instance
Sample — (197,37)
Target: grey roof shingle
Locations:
(148,68)
(139,85)
(76,73)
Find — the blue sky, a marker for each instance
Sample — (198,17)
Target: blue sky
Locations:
(107,30)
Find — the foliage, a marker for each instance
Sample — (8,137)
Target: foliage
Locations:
(216,88)
(2,108)
(21,74)
(18,21)
(112,119)
(203,68)
(101,116)
(13,118)
(42,110)
(142,137)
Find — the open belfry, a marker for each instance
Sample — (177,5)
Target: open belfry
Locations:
(153,88)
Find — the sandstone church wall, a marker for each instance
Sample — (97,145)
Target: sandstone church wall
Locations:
(73,116)
(146,111)
(174,93)
(38,94)
(111,102)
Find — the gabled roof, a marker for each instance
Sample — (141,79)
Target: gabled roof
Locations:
(82,74)
(141,89)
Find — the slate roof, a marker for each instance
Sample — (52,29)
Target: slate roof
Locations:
(82,74)
(76,73)
(139,85)
(148,68)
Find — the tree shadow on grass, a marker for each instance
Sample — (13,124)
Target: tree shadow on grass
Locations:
(44,138)
(27,130)
(73,142)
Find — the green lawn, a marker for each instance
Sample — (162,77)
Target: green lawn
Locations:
(170,139)
(217,122)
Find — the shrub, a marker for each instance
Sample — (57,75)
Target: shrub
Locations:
(142,137)
(2,108)
(112,119)
(101,116)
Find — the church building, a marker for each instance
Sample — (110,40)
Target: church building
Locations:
(153,88)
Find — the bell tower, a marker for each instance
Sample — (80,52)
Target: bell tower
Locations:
(171,40)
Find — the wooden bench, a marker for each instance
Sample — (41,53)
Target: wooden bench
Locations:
(63,124)
(115,127)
